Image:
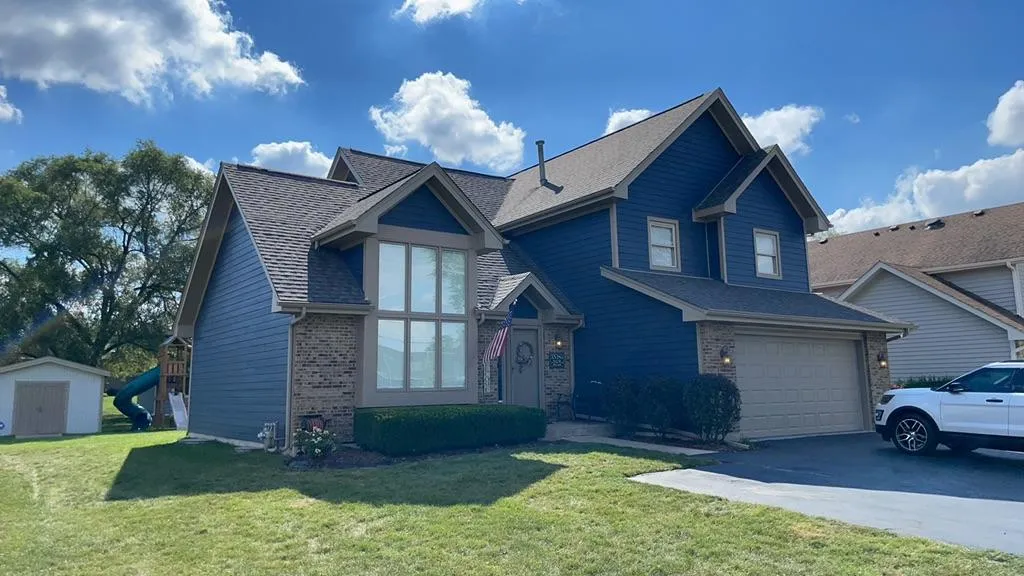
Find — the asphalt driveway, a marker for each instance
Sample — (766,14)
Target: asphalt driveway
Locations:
(975,500)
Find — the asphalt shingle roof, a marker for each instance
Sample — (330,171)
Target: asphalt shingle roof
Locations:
(594,167)
(998,234)
(736,175)
(715,296)
(504,270)
(283,211)
(962,296)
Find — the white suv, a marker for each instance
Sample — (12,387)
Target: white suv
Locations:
(981,409)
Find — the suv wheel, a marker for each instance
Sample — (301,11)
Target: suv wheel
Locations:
(914,434)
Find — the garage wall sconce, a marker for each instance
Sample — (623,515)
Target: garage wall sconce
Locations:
(726,356)
(558,341)
(883,362)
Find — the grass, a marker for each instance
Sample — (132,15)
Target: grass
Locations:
(126,504)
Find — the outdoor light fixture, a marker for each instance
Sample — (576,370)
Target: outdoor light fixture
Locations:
(883,362)
(726,356)
(558,341)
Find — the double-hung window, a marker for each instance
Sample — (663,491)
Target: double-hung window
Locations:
(663,244)
(766,254)
(422,325)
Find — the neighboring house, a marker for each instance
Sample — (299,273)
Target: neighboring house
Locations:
(958,278)
(672,247)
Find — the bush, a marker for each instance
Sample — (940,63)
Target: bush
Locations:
(654,401)
(712,406)
(421,429)
(316,443)
(921,382)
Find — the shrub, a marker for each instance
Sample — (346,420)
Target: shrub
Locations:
(921,381)
(316,443)
(653,401)
(624,405)
(421,429)
(712,405)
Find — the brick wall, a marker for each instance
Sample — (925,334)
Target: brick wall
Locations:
(712,337)
(556,380)
(325,362)
(878,377)
(487,386)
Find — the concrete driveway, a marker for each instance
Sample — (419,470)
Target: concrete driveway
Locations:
(975,500)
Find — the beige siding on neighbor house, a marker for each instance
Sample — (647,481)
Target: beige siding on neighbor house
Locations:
(992,284)
(948,340)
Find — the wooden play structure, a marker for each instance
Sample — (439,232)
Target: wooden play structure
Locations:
(175,366)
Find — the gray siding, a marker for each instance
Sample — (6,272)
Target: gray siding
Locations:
(992,284)
(948,340)
(240,348)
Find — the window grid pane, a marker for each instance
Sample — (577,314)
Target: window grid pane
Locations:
(422,354)
(424,279)
(391,271)
(453,282)
(766,244)
(391,354)
(664,257)
(663,236)
(453,355)
(766,265)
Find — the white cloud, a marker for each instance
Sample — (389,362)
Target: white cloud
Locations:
(135,48)
(852,118)
(1006,122)
(205,167)
(788,127)
(399,150)
(436,111)
(424,11)
(291,156)
(8,111)
(985,183)
(619,119)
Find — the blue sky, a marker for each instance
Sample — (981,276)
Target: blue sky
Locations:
(889,110)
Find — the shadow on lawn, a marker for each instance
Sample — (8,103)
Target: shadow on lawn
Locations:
(187,470)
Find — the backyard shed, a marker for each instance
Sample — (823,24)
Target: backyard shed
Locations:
(49,396)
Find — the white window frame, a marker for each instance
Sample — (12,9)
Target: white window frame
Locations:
(673,225)
(438,317)
(778,254)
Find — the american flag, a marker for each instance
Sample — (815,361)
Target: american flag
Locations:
(497,346)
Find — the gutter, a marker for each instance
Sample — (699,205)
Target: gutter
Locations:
(288,396)
(303,307)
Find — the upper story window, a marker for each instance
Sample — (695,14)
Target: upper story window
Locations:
(422,318)
(663,244)
(766,254)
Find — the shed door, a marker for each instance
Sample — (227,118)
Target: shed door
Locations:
(798,386)
(40,408)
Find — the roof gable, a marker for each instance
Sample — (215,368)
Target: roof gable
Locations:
(964,240)
(423,209)
(723,198)
(53,360)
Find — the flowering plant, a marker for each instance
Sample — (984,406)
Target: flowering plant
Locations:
(316,443)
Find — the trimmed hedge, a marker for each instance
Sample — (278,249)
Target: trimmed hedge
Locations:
(930,381)
(420,429)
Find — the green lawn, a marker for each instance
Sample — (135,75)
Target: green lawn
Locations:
(128,504)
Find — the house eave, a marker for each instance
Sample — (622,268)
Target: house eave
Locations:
(538,218)
(296,307)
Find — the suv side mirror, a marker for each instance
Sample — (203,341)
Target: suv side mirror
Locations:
(955,388)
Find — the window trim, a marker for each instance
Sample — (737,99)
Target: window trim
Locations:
(438,317)
(778,254)
(673,225)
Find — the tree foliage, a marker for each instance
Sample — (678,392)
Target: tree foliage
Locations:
(94,252)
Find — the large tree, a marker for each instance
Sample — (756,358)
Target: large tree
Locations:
(94,251)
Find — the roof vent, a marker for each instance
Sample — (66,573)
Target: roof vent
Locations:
(912,227)
(543,174)
(878,233)
(979,212)
(894,228)
(935,224)
(823,240)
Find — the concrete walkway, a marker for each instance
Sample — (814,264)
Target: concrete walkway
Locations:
(679,450)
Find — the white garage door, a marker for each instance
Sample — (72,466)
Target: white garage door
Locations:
(798,386)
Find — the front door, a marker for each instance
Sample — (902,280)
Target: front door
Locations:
(40,408)
(984,405)
(523,368)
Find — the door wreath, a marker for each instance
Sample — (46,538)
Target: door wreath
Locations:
(524,355)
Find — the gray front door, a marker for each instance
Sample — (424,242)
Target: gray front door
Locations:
(40,408)
(523,365)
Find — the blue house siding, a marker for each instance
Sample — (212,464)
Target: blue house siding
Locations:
(354,259)
(714,255)
(422,210)
(626,333)
(669,188)
(524,308)
(764,206)
(240,347)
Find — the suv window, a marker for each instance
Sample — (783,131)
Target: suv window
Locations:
(988,380)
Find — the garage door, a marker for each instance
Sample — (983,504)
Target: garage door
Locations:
(798,386)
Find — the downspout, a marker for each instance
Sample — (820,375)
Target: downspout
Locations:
(288,396)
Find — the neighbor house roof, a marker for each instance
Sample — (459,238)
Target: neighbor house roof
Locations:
(962,240)
(953,294)
(707,299)
(56,361)
(282,212)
